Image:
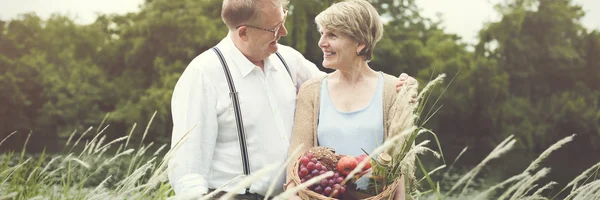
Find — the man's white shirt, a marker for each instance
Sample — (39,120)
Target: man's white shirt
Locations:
(210,156)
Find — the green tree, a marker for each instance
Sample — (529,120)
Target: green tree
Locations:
(154,46)
(545,50)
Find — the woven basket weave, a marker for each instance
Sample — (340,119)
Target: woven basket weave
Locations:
(387,193)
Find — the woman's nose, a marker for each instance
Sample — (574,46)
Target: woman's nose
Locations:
(322,42)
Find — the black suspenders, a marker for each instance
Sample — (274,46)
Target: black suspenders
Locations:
(284,64)
(237,110)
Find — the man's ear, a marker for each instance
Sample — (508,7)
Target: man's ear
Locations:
(243,33)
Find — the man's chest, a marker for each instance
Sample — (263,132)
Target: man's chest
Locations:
(267,103)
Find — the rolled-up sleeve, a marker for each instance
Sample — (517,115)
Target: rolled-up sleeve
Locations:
(193,108)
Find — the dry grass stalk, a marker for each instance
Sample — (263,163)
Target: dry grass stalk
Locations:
(502,148)
(536,163)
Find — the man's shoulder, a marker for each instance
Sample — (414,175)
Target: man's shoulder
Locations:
(207,61)
(305,68)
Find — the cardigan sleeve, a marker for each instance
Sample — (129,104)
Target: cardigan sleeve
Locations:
(304,121)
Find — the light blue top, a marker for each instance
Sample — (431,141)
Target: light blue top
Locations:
(348,132)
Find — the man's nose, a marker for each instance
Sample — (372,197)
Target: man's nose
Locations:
(283,31)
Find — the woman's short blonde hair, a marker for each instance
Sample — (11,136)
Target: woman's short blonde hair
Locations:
(357,19)
(238,12)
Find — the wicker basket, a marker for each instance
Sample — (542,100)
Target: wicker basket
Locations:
(387,193)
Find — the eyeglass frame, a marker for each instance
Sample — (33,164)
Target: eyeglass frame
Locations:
(274,31)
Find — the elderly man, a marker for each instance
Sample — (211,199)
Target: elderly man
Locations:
(235,104)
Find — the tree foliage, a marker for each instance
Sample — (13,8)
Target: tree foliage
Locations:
(534,73)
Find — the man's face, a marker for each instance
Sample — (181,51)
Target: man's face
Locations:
(262,38)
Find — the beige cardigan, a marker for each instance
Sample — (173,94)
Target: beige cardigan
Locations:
(307,114)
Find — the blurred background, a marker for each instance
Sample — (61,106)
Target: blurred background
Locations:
(529,68)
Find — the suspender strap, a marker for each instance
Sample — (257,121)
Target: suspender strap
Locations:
(238,113)
(284,64)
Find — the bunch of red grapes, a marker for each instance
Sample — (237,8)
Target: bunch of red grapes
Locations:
(310,167)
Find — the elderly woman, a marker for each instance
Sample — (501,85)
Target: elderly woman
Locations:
(348,110)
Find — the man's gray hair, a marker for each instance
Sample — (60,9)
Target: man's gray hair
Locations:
(238,12)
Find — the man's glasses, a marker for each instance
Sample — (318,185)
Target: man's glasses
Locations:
(274,31)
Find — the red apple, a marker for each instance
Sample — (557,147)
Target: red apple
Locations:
(346,164)
(361,158)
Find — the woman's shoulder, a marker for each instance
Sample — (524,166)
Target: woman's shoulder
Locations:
(313,83)
(311,86)
(389,82)
(389,89)
(389,79)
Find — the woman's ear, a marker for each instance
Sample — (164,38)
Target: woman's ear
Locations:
(242,32)
(360,49)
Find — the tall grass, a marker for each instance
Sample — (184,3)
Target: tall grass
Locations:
(99,169)
(525,185)
(92,173)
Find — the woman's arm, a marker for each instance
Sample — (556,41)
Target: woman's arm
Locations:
(303,132)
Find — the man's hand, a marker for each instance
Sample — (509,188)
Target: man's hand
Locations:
(405,79)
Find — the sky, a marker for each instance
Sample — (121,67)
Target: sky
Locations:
(462,17)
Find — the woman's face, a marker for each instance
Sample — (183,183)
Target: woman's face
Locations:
(339,50)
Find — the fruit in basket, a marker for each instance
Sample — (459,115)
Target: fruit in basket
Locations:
(315,173)
(303,171)
(315,163)
(325,155)
(318,189)
(310,166)
(361,158)
(346,164)
(304,160)
(319,166)
(327,191)
(329,187)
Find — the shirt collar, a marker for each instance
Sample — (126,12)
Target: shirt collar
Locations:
(270,63)
(240,61)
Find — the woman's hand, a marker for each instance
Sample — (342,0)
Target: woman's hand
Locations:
(401,190)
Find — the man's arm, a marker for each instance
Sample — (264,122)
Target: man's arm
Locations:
(302,69)
(308,70)
(194,132)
